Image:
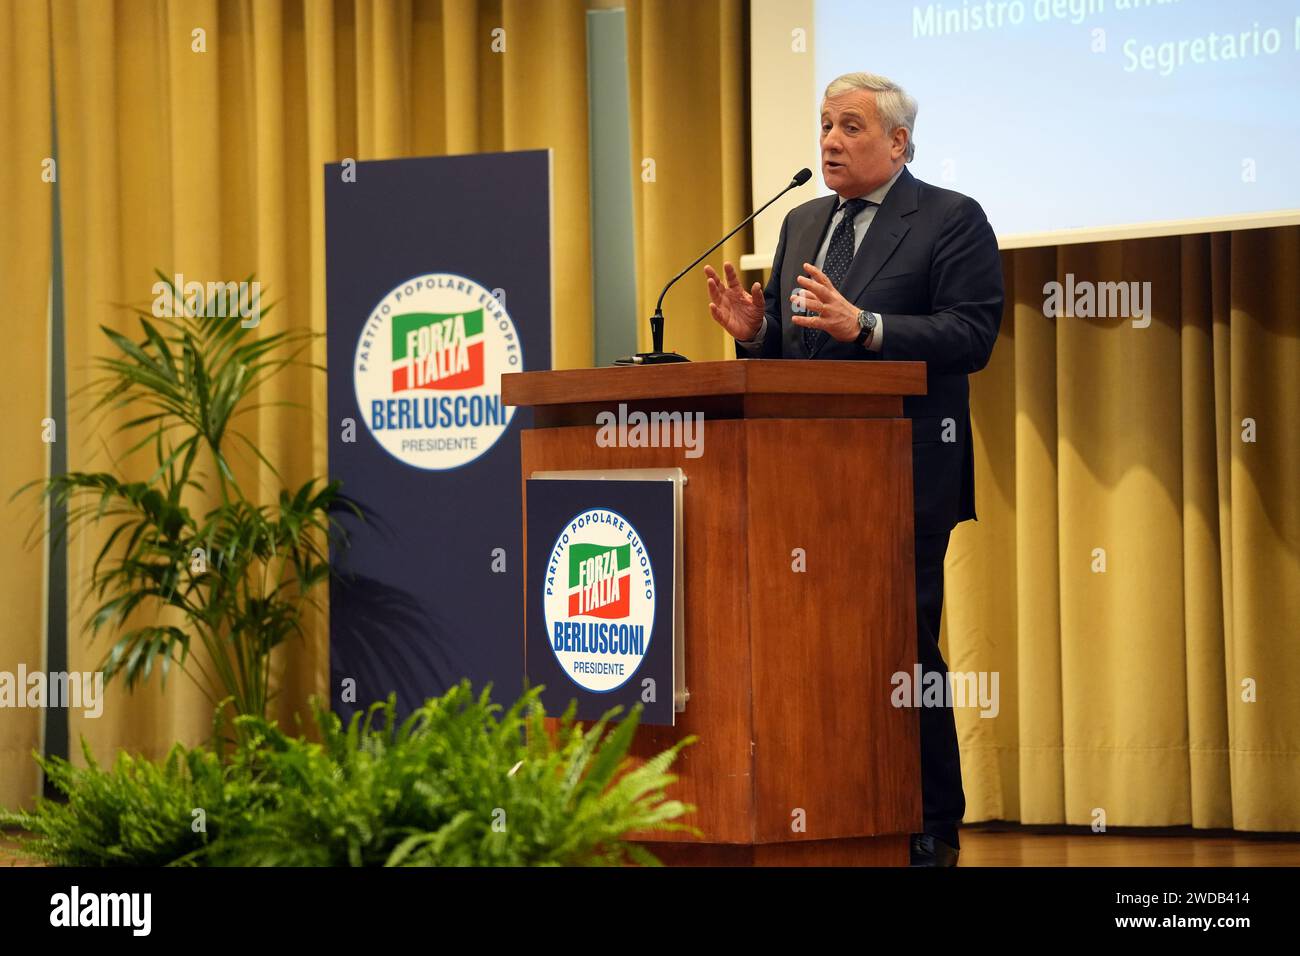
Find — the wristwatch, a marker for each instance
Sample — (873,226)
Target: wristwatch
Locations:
(866,327)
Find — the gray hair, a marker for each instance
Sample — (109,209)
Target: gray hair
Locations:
(895,106)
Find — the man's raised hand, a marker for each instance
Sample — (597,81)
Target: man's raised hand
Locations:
(737,311)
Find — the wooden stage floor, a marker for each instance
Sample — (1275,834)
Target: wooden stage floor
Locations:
(1007,844)
(1002,844)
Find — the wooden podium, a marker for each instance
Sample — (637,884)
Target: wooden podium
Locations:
(802,758)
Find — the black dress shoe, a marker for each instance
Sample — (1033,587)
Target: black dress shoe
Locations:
(926,850)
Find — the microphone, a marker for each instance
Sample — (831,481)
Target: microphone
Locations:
(659,356)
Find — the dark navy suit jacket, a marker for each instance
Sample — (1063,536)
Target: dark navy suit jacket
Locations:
(929,264)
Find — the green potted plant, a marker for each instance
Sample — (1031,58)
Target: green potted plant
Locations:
(191,554)
(459,782)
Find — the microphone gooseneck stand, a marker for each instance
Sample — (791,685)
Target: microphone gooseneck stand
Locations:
(658,356)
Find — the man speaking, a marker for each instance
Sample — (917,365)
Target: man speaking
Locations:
(890,268)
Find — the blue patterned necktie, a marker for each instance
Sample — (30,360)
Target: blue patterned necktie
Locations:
(838,256)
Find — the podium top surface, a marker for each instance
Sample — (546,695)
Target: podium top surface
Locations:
(691,379)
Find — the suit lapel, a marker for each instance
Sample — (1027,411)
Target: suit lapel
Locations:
(809,234)
(883,236)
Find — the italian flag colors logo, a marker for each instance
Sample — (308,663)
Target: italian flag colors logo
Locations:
(441,352)
(598,599)
(428,366)
(600,581)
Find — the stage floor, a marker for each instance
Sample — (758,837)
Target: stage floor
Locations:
(1004,844)
(1000,844)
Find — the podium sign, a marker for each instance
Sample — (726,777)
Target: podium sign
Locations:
(605,619)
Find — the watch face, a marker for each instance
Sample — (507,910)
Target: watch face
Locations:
(865,326)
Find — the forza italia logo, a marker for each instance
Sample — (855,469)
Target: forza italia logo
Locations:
(428,368)
(599,582)
(599,600)
(438,351)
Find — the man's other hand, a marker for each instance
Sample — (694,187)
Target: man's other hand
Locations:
(817,305)
(737,311)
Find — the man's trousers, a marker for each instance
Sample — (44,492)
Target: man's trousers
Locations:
(942,799)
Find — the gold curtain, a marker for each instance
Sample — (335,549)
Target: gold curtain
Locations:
(689,75)
(1161,690)
(26,183)
(202,153)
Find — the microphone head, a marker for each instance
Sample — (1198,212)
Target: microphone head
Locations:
(802,176)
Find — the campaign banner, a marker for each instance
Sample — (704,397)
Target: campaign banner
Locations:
(438,281)
(604,593)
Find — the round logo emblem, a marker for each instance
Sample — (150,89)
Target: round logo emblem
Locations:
(599,600)
(428,370)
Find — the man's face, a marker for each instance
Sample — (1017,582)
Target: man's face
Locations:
(858,155)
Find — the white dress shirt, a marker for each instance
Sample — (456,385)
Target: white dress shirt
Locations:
(860,226)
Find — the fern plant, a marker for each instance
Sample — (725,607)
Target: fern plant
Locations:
(236,574)
(460,782)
